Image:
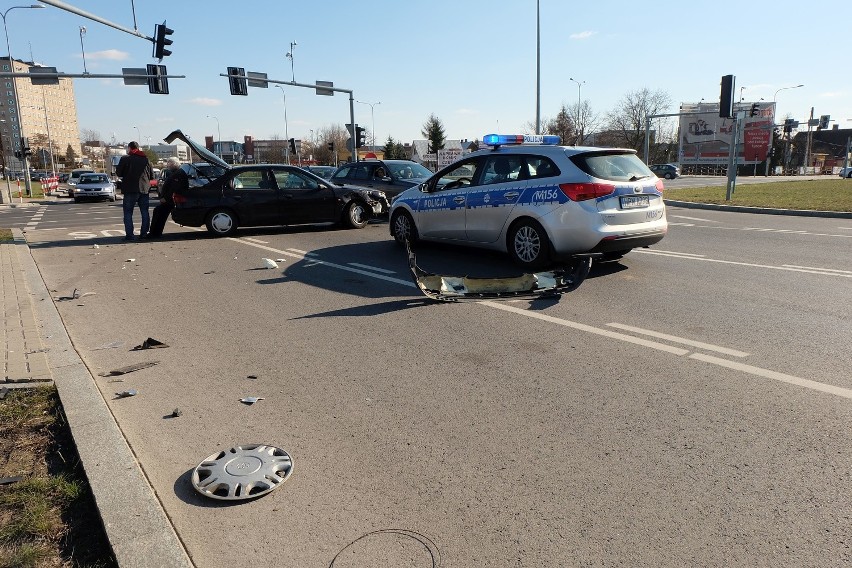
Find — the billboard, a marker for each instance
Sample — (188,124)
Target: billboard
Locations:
(705,138)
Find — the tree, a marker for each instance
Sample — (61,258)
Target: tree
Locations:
(70,156)
(277,152)
(562,125)
(336,134)
(394,150)
(627,120)
(433,131)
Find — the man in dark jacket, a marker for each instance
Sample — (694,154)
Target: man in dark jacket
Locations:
(176,181)
(135,172)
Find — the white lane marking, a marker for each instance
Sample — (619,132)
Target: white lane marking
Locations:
(683,225)
(745,264)
(676,339)
(256,240)
(679,253)
(368,267)
(815,268)
(774,375)
(302,252)
(588,328)
(694,218)
(53,228)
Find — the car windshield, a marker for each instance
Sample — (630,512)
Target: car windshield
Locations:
(89,178)
(406,170)
(612,166)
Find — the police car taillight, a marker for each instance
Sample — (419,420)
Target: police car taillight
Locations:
(585,191)
(660,186)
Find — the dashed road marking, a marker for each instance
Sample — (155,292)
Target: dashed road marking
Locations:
(682,340)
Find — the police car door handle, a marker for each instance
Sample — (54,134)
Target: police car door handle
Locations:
(510,194)
(459,199)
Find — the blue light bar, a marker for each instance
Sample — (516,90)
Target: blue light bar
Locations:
(501,139)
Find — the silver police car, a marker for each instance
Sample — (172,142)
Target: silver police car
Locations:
(538,201)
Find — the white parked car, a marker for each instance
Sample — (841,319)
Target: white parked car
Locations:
(94,187)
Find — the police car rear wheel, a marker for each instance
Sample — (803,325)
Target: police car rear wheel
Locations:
(403,227)
(528,244)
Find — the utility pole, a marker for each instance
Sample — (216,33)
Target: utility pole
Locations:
(808,144)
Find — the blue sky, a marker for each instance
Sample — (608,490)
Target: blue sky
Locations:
(470,62)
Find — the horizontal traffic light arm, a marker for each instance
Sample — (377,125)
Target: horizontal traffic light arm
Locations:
(292,83)
(94,18)
(85,76)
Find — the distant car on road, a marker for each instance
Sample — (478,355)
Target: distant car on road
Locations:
(846,172)
(262,195)
(667,171)
(324,172)
(74,178)
(93,187)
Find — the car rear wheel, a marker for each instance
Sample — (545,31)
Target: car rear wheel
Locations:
(356,215)
(222,222)
(668,176)
(528,244)
(403,227)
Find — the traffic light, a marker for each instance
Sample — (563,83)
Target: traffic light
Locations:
(292,145)
(161,41)
(19,155)
(755,109)
(726,97)
(25,150)
(359,137)
(823,121)
(331,146)
(157,82)
(237,81)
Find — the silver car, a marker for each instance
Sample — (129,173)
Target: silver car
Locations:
(538,201)
(93,187)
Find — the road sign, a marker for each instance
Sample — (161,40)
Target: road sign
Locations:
(43,80)
(256,79)
(447,157)
(327,92)
(135,80)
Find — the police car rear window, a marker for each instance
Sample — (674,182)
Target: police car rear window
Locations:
(612,166)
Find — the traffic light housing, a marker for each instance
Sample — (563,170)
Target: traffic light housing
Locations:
(755,109)
(237,81)
(161,41)
(292,142)
(158,84)
(360,137)
(726,97)
(823,122)
(331,146)
(18,155)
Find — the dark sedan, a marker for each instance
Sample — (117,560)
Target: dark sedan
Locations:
(269,194)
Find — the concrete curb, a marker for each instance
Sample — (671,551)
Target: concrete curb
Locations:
(137,527)
(762,210)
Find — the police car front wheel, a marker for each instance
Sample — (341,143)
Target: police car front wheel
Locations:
(403,227)
(528,244)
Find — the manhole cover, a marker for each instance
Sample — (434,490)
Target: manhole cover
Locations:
(242,472)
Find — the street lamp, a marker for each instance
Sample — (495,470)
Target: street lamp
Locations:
(218,133)
(26,161)
(286,135)
(579,102)
(741,93)
(138,134)
(290,57)
(373,118)
(772,133)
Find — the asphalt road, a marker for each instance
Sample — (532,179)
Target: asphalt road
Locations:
(687,406)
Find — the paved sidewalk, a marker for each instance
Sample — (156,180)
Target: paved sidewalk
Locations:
(37,349)
(24,360)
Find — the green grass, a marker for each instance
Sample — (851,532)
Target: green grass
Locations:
(5,234)
(820,195)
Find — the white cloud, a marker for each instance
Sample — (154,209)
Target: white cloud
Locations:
(109,54)
(582,35)
(203,101)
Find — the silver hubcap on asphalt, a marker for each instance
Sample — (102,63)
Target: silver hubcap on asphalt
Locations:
(222,222)
(527,244)
(242,472)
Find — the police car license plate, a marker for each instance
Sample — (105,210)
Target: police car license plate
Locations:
(635,201)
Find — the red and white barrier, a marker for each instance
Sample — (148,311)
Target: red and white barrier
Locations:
(49,185)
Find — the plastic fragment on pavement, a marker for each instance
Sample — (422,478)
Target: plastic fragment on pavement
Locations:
(95,246)
(176,413)
(127,393)
(130,260)
(250,399)
(150,343)
(269,263)
(112,345)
